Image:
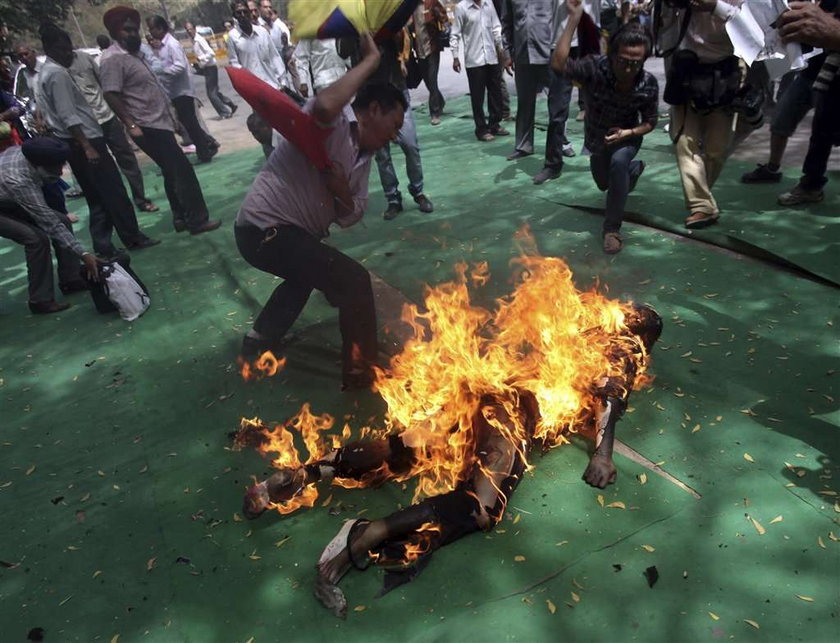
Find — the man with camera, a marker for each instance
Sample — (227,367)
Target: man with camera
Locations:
(704,79)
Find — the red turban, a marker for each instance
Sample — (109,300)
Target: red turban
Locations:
(115,18)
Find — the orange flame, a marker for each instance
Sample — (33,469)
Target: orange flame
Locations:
(266,365)
(547,337)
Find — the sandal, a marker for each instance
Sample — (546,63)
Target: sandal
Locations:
(147,206)
(342,541)
(701,220)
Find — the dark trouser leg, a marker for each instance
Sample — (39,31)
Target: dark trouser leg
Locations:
(182,187)
(103,179)
(305,263)
(15,226)
(436,100)
(211,84)
(117,141)
(477,81)
(529,80)
(185,107)
(387,174)
(68,262)
(495,97)
(407,140)
(614,171)
(823,135)
(559,97)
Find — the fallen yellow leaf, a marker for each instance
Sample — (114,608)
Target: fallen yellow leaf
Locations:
(820,542)
(758,526)
(551,606)
(237,518)
(30,470)
(748,457)
(714,616)
(575,597)
(753,623)
(648,548)
(696,428)
(616,505)
(98,572)
(519,559)
(254,557)
(115,638)
(359,608)
(327,501)
(600,500)
(776,519)
(807,599)
(642,478)
(150,564)
(517,518)
(578,585)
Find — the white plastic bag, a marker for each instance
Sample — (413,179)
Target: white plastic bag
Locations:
(124,292)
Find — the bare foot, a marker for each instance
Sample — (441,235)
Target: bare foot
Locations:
(364,538)
(280,487)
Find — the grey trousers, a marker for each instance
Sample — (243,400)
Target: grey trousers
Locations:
(117,141)
(17,226)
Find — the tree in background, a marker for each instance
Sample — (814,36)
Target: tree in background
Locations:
(26,17)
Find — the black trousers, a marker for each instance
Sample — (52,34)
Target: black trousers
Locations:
(530,81)
(486,79)
(430,77)
(18,226)
(117,141)
(179,180)
(824,134)
(108,202)
(306,264)
(185,108)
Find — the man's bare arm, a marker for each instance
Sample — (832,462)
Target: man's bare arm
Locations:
(331,101)
(564,43)
(115,102)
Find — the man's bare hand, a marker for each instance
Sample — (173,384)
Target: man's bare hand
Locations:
(304,90)
(92,155)
(456,65)
(600,472)
(616,135)
(574,7)
(806,23)
(91,266)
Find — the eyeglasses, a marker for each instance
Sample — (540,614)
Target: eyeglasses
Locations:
(629,64)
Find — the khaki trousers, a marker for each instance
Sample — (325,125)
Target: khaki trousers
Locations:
(702,147)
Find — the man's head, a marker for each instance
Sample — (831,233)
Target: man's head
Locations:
(629,49)
(57,44)
(259,128)
(103,41)
(190,29)
(254,8)
(267,11)
(242,13)
(158,26)
(228,25)
(26,56)
(380,109)
(123,23)
(48,155)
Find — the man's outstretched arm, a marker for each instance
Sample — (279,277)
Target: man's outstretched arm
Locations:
(564,43)
(331,101)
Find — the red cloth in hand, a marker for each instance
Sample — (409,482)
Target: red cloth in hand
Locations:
(284,115)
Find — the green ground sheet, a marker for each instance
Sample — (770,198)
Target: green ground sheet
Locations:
(121,496)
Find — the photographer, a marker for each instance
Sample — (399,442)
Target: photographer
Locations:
(704,79)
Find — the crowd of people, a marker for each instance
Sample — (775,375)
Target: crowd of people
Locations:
(92,114)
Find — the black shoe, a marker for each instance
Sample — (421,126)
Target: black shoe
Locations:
(568,151)
(424,204)
(518,155)
(47,307)
(546,174)
(179,224)
(500,131)
(635,179)
(70,287)
(252,348)
(142,243)
(207,226)
(393,210)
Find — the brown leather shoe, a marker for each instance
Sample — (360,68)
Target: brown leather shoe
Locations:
(207,226)
(47,307)
(701,220)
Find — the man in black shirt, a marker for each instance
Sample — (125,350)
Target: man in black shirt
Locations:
(621,107)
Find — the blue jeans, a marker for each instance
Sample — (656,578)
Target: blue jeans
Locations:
(615,172)
(407,140)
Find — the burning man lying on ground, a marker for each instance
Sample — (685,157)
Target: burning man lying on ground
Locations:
(467,471)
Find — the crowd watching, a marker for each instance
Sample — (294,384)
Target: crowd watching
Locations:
(78,117)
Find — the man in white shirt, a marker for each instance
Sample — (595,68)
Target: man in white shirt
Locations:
(281,36)
(477,26)
(206,66)
(70,118)
(250,47)
(318,65)
(174,75)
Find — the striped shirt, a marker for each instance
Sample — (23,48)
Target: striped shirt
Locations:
(21,185)
(605,106)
